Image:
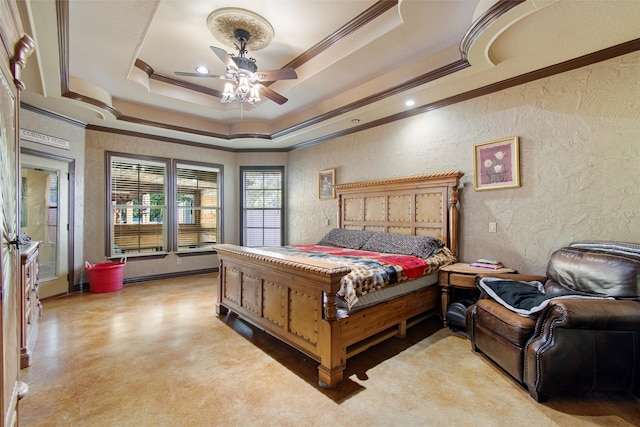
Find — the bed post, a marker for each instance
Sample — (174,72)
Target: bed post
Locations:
(453,219)
(221,309)
(333,356)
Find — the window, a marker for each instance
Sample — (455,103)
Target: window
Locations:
(161,205)
(138,210)
(197,206)
(262,206)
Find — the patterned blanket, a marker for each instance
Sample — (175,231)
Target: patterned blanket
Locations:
(370,271)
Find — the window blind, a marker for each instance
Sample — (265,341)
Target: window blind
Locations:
(197,206)
(138,206)
(262,207)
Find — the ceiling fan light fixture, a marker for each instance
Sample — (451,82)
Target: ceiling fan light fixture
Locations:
(243,85)
(244,30)
(229,94)
(254,96)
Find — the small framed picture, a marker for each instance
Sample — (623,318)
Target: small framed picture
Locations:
(326,180)
(497,164)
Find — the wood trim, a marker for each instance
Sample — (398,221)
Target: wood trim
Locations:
(176,140)
(380,7)
(23,48)
(350,27)
(186,85)
(62,9)
(92,101)
(480,25)
(572,64)
(409,84)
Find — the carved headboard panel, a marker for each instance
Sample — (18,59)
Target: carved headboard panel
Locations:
(423,205)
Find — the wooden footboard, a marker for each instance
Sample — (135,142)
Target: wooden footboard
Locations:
(287,299)
(295,301)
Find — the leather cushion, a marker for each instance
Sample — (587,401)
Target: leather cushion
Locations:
(595,272)
(513,327)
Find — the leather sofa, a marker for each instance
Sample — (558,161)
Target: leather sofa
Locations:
(573,345)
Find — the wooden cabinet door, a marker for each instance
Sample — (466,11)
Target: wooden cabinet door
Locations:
(9,307)
(16,46)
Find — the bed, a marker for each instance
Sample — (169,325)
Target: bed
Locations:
(300,300)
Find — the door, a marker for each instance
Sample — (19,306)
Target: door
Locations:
(44,216)
(9,253)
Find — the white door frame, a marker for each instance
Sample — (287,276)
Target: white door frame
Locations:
(69,227)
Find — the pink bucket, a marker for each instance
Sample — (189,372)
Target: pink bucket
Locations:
(106,276)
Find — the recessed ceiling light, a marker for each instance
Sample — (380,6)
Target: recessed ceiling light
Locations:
(202,70)
(355,120)
(410,103)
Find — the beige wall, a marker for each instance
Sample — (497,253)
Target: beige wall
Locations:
(97,143)
(580,164)
(580,168)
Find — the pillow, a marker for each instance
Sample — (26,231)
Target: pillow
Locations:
(342,238)
(390,243)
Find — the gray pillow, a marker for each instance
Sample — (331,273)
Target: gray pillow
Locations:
(342,238)
(390,243)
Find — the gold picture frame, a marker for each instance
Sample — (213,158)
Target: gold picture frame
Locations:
(497,164)
(326,182)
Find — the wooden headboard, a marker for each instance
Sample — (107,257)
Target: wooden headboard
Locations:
(423,205)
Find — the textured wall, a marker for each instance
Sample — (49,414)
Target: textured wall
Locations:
(580,164)
(580,168)
(97,143)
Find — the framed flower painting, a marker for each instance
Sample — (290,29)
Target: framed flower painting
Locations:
(497,164)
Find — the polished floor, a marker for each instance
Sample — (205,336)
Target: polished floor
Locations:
(155,354)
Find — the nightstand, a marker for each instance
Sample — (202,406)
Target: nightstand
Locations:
(460,276)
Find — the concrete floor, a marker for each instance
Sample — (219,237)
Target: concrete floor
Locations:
(155,354)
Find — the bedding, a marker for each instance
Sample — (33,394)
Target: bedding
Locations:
(524,298)
(370,271)
(386,294)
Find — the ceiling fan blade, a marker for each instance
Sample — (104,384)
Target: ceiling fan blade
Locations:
(272,95)
(273,75)
(185,74)
(225,58)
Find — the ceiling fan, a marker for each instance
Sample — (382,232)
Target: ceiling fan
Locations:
(244,81)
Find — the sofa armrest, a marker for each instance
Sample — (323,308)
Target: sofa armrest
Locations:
(593,314)
(575,344)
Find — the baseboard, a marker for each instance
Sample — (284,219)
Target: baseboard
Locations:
(130,280)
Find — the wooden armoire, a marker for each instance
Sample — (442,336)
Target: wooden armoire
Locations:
(16,47)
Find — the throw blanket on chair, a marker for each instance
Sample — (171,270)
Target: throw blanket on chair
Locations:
(524,298)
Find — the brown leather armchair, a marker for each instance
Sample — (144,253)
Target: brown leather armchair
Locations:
(572,345)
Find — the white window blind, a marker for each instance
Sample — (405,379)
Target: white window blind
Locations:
(262,206)
(138,206)
(197,206)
